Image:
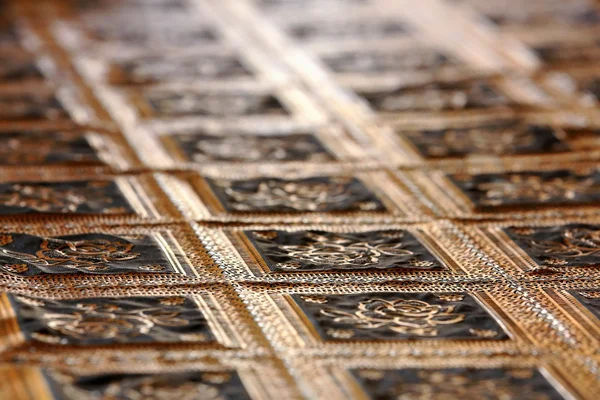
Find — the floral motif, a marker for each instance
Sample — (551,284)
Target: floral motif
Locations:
(298,195)
(575,242)
(253,148)
(86,254)
(439,96)
(93,253)
(535,188)
(42,198)
(312,195)
(191,385)
(96,320)
(324,250)
(341,251)
(159,388)
(566,246)
(109,321)
(441,386)
(60,198)
(402,316)
(183,103)
(506,140)
(33,148)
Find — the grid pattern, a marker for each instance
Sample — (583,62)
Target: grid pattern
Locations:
(267,199)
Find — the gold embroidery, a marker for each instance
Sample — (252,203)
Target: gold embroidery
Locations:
(110,321)
(157,388)
(409,317)
(299,195)
(504,141)
(37,149)
(576,242)
(252,148)
(89,255)
(339,251)
(519,187)
(440,386)
(52,199)
(154,387)
(84,253)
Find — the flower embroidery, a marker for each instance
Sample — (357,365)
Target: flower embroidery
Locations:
(575,243)
(61,198)
(159,388)
(440,386)
(42,198)
(311,194)
(108,321)
(569,245)
(501,140)
(303,196)
(114,320)
(340,251)
(254,148)
(84,253)
(408,317)
(535,188)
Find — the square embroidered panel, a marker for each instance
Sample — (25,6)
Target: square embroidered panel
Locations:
(299,199)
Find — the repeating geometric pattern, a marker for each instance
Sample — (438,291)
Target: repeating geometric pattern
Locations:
(288,199)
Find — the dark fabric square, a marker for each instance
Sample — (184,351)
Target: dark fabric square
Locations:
(318,194)
(590,299)
(213,104)
(103,321)
(92,253)
(188,385)
(385,62)
(341,30)
(37,148)
(399,316)
(437,97)
(14,106)
(158,68)
(455,384)
(562,246)
(331,251)
(77,197)
(296,147)
(535,188)
(499,139)
(17,66)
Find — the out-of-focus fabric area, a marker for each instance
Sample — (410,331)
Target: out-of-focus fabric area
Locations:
(299,199)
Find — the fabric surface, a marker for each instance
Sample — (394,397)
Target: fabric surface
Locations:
(299,199)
